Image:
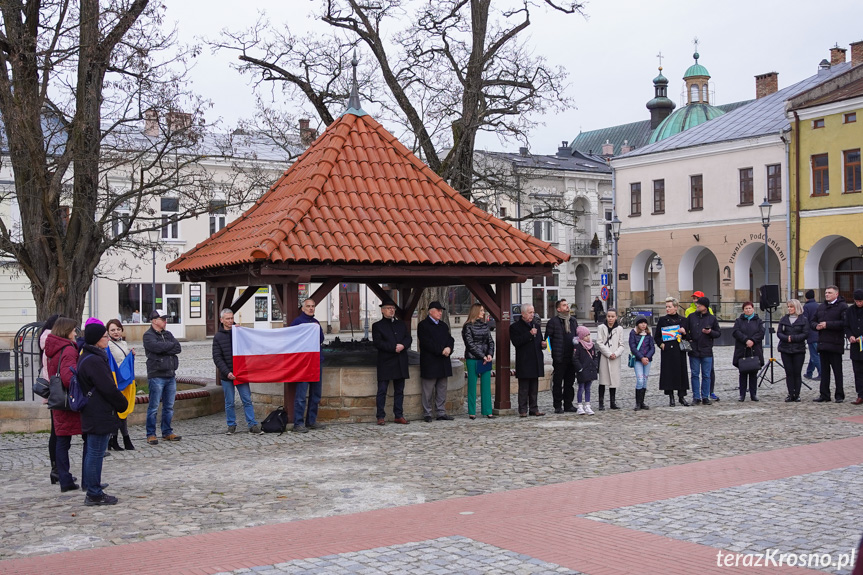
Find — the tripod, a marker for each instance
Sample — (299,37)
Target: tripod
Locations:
(768,365)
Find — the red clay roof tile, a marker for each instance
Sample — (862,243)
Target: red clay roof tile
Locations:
(358,195)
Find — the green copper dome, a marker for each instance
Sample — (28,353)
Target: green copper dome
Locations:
(683,119)
(696,69)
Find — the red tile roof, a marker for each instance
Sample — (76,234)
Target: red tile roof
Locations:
(357,195)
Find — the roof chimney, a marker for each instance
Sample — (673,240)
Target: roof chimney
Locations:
(151,123)
(607,149)
(523,151)
(564,149)
(179,121)
(823,66)
(837,55)
(766,84)
(307,134)
(625,148)
(857,53)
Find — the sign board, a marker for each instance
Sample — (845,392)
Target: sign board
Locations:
(195,300)
(623,277)
(603,293)
(603,279)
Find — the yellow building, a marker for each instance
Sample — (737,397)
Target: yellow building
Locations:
(825,181)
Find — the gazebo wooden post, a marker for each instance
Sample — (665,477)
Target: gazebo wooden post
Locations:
(288,296)
(224,296)
(502,362)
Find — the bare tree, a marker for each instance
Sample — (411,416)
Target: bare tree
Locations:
(98,124)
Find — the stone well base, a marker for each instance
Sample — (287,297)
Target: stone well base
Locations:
(349,394)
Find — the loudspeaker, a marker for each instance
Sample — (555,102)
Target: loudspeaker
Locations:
(769,297)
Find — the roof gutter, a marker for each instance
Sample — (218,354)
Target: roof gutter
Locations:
(784,139)
(796,201)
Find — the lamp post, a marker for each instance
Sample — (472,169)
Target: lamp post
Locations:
(155,235)
(765,221)
(615,234)
(658,261)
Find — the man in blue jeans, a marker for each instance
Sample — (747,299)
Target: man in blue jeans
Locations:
(162,349)
(223,357)
(303,420)
(701,329)
(809,309)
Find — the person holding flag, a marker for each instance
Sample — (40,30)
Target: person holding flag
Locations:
(121,359)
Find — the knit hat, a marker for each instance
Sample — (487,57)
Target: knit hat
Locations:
(95,320)
(581,331)
(94,332)
(858,295)
(703,301)
(810,294)
(641,319)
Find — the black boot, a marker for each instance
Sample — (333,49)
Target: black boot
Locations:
(643,393)
(55,475)
(671,400)
(612,393)
(681,399)
(637,400)
(113,444)
(601,398)
(127,443)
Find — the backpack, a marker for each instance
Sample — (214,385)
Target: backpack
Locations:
(276,421)
(77,398)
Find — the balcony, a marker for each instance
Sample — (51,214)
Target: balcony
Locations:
(585,250)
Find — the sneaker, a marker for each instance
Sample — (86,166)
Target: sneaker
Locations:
(171,437)
(316,425)
(152,440)
(104,499)
(580,410)
(256,429)
(300,429)
(587,409)
(232,429)
(713,397)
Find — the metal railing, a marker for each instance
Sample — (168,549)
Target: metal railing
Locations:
(585,249)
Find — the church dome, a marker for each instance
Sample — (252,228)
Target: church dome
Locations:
(696,69)
(683,119)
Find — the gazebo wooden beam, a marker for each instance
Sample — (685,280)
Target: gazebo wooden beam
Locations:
(485,295)
(244,297)
(324,289)
(402,272)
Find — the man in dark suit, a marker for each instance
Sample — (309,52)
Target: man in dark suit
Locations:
(829,322)
(436,345)
(392,340)
(526,335)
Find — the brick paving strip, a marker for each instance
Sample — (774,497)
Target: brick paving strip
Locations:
(537,522)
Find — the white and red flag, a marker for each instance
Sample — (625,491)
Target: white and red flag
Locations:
(286,354)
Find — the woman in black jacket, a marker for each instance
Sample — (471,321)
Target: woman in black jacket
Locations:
(748,335)
(99,416)
(792,332)
(673,373)
(478,353)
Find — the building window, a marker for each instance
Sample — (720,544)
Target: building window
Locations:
(820,175)
(746,187)
(693,94)
(218,213)
(635,199)
(852,170)
(608,218)
(850,117)
(696,192)
(658,196)
(170,228)
(774,183)
(819,123)
(502,212)
(545,294)
(139,297)
(543,230)
(121,220)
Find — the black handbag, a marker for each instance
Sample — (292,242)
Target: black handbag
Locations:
(58,397)
(748,363)
(41,388)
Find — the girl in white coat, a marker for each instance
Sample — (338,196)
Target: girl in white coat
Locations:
(610,341)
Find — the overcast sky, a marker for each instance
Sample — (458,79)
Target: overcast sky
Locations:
(610,55)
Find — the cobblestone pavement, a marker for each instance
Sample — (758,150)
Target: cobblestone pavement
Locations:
(435,557)
(798,515)
(212,482)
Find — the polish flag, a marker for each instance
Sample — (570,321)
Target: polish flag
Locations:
(286,354)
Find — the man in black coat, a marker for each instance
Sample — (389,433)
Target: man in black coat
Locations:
(829,322)
(854,332)
(162,349)
(701,329)
(597,309)
(809,309)
(392,340)
(560,330)
(436,345)
(526,335)
(223,357)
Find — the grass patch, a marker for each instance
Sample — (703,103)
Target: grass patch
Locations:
(7,392)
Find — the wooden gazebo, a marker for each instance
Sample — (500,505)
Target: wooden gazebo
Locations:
(358,206)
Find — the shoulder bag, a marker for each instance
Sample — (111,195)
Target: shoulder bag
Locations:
(58,397)
(632,355)
(749,363)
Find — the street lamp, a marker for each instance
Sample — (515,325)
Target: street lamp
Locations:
(615,234)
(765,221)
(658,261)
(155,235)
